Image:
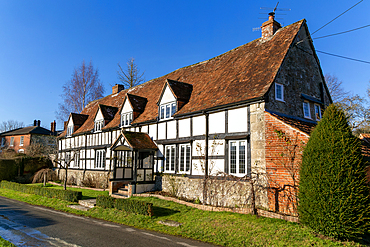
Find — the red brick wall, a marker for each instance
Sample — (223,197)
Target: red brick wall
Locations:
(283,155)
(17,140)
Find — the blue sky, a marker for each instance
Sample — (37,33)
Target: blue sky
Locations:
(42,41)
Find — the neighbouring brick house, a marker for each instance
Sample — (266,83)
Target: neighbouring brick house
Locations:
(21,138)
(226,115)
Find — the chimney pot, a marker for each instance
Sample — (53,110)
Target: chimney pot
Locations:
(270,27)
(117,88)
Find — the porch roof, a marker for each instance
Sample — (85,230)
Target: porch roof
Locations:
(136,140)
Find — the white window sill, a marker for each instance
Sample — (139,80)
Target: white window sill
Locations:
(281,100)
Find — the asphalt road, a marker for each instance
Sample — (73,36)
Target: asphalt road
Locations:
(28,225)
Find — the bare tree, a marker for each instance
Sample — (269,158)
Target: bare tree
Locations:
(354,106)
(10,125)
(131,76)
(84,87)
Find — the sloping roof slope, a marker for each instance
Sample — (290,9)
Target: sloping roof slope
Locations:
(108,111)
(28,130)
(303,125)
(242,74)
(139,140)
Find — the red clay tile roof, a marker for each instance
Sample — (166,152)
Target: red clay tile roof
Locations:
(303,125)
(139,140)
(138,103)
(244,73)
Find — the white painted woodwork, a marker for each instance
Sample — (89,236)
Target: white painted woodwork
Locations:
(217,122)
(167,96)
(162,131)
(171,129)
(99,116)
(184,127)
(126,107)
(238,120)
(199,125)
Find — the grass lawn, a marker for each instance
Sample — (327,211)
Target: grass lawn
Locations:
(222,228)
(4,243)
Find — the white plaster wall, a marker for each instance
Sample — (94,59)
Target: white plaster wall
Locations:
(161,130)
(167,96)
(70,122)
(198,148)
(217,122)
(238,120)
(184,127)
(126,107)
(197,166)
(171,129)
(215,166)
(145,129)
(199,125)
(153,131)
(216,147)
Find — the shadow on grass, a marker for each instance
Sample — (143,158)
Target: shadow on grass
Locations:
(87,197)
(159,211)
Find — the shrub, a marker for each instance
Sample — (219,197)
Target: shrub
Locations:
(333,194)
(67,195)
(127,205)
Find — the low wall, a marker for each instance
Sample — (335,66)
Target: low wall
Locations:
(94,179)
(224,193)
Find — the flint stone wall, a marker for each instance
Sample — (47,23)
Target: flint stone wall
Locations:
(220,192)
(76,177)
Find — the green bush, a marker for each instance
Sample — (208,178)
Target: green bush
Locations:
(104,201)
(333,193)
(67,195)
(9,168)
(127,205)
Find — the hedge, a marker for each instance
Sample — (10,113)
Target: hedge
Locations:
(127,205)
(67,195)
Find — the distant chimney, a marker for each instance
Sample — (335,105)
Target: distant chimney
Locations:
(117,88)
(53,126)
(38,123)
(35,122)
(270,27)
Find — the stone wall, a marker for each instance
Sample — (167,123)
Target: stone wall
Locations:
(97,179)
(221,192)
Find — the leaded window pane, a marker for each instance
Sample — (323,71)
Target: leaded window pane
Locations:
(232,157)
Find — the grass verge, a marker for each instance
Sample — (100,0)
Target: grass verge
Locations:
(4,243)
(222,228)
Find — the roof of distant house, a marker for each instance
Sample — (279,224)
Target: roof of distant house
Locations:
(28,130)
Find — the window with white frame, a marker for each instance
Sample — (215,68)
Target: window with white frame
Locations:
(76,161)
(317,112)
(98,125)
(100,158)
(238,157)
(306,109)
(167,110)
(12,141)
(69,130)
(126,119)
(279,92)
(67,158)
(170,156)
(184,159)
(22,140)
(3,142)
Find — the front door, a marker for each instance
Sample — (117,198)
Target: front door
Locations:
(124,165)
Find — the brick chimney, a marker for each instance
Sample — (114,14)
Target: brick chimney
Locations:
(53,126)
(117,88)
(35,122)
(38,123)
(270,27)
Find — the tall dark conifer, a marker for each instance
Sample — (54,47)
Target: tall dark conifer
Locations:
(333,191)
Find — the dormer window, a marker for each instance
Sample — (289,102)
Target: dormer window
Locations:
(69,130)
(98,125)
(167,110)
(126,119)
